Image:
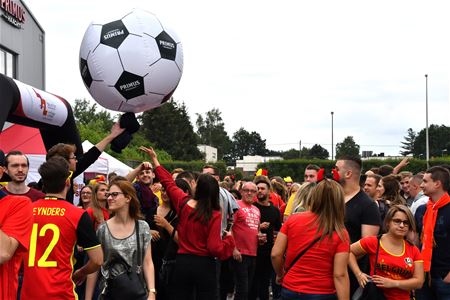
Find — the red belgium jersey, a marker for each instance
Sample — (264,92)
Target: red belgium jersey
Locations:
(389,265)
(58,226)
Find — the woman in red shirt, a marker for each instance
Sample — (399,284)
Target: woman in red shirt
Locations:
(199,234)
(399,264)
(321,273)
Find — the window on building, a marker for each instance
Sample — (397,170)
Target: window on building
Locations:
(7,63)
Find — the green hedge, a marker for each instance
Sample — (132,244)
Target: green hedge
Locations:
(296,167)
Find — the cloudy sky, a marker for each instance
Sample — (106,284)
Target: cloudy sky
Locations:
(281,67)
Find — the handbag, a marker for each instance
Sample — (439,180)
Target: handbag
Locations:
(168,262)
(129,284)
(168,265)
(370,290)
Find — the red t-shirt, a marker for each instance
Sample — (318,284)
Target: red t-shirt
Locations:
(57,227)
(397,267)
(32,193)
(90,212)
(245,228)
(276,200)
(195,237)
(15,221)
(313,272)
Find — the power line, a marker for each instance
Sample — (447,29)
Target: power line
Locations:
(327,144)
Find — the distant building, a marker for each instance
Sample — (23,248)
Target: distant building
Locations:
(209,152)
(367,154)
(250,163)
(22,44)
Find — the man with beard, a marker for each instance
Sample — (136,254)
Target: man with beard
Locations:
(362,217)
(270,222)
(17,167)
(15,226)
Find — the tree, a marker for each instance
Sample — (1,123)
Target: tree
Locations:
(211,131)
(170,128)
(319,152)
(246,143)
(439,141)
(94,125)
(86,113)
(291,154)
(408,144)
(348,147)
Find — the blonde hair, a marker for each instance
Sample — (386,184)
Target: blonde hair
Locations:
(96,207)
(302,199)
(327,202)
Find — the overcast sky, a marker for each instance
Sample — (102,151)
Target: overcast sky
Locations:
(280,67)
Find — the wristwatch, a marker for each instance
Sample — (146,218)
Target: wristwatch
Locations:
(152,291)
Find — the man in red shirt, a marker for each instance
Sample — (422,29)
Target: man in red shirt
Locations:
(58,227)
(245,232)
(15,227)
(17,167)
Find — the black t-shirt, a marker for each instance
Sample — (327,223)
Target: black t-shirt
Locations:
(358,211)
(272,215)
(440,260)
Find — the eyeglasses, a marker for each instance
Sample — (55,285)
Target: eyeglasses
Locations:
(399,221)
(113,194)
(248,191)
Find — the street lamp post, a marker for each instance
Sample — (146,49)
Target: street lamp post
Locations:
(332,136)
(426,117)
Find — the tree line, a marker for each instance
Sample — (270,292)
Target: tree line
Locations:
(169,130)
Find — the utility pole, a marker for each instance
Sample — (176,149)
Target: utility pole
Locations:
(426,128)
(332,136)
(300,149)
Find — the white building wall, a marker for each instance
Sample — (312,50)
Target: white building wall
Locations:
(210,153)
(250,163)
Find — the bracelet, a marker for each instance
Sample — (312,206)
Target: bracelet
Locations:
(152,291)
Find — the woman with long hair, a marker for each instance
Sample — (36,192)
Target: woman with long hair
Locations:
(389,190)
(86,196)
(321,272)
(119,239)
(199,235)
(399,266)
(302,199)
(98,208)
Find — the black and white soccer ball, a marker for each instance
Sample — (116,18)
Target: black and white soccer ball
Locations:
(132,64)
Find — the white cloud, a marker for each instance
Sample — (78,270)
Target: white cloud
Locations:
(281,68)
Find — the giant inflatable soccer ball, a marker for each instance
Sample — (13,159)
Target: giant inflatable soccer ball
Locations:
(132,64)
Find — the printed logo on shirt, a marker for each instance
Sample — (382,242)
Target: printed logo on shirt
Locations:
(408,261)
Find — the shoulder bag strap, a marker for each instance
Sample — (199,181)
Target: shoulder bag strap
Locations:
(300,255)
(376,255)
(138,242)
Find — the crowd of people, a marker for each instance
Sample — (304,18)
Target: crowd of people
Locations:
(180,234)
